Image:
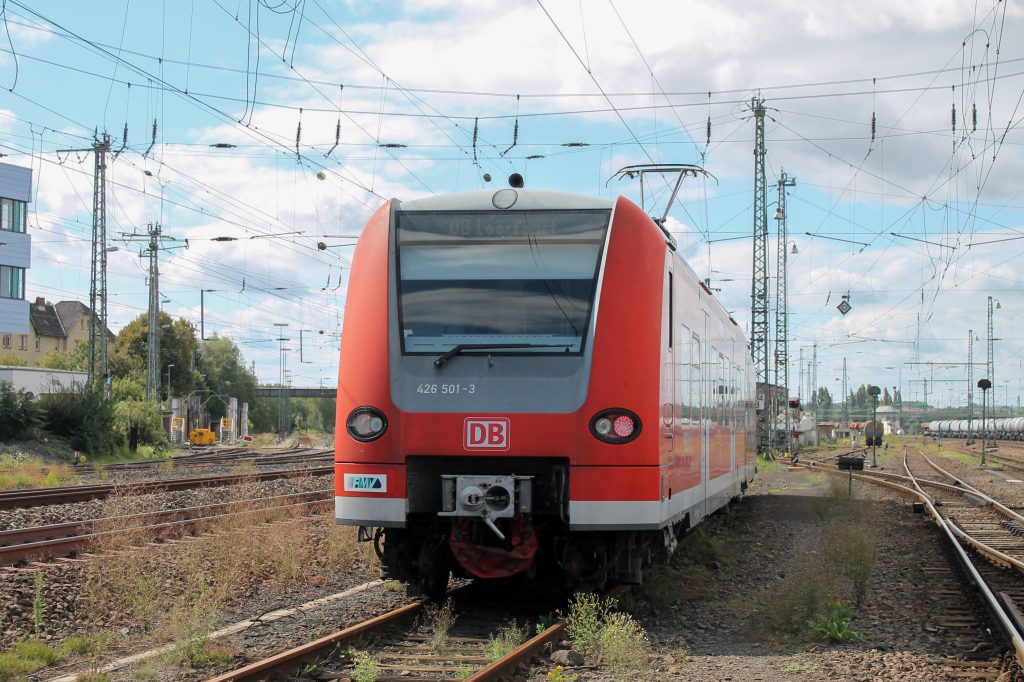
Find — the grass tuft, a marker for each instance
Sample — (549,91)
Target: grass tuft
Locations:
(509,636)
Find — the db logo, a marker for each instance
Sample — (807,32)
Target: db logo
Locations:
(486,434)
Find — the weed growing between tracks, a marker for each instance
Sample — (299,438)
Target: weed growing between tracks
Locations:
(613,637)
(438,621)
(367,666)
(508,638)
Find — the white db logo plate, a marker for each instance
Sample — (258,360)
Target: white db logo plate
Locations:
(486,433)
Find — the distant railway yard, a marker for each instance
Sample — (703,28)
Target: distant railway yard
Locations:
(242,575)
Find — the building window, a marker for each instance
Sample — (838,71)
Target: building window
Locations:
(24,342)
(37,343)
(12,215)
(7,340)
(12,282)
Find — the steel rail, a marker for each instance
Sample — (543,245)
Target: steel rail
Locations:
(64,546)
(996,504)
(287,662)
(36,497)
(1005,622)
(40,541)
(995,608)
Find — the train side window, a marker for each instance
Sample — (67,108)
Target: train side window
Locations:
(671,325)
(683,360)
(695,378)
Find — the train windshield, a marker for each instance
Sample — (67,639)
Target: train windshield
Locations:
(524,280)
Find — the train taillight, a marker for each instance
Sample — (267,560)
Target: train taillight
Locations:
(615,426)
(366,423)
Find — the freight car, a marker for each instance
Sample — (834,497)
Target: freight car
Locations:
(873,433)
(533,382)
(1004,428)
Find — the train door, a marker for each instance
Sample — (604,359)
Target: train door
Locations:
(668,395)
(706,405)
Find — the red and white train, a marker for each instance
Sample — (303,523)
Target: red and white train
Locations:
(533,381)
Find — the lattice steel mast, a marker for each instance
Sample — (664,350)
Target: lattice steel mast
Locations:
(759,283)
(781,304)
(970,386)
(153,335)
(991,367)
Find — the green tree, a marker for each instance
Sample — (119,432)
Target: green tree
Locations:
(263,415)
(224,373)
(177,347)
(886,398)
(328,407)
(11,359)
(143,415)
(823,399)
(76,360)
(127,389)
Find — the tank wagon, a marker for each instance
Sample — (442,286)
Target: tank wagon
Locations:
(1004,428)
(874,431)
(533,382)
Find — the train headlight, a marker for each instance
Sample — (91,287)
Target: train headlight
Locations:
(615,426)
(366,423)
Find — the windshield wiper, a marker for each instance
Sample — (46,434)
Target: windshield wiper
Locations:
(440,361)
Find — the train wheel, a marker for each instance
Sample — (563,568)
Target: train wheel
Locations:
(433,568)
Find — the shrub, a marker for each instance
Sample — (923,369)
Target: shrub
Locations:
(623,645)
(614,637)
(583,625)
(84,418)
(19,414)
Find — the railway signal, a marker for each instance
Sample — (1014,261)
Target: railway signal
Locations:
(874,391)
(984,385)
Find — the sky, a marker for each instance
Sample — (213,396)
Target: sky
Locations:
(283,124)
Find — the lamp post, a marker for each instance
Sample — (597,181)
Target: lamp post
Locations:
(984,385)
(874,392)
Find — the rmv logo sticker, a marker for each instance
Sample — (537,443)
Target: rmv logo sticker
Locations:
(487,433)
(370,483)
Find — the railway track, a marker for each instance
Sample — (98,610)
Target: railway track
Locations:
(205,459)
(404,646)
(968,518)
(35,497)
(66,539)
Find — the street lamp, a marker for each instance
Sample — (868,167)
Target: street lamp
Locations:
(984,385)
(874,392)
